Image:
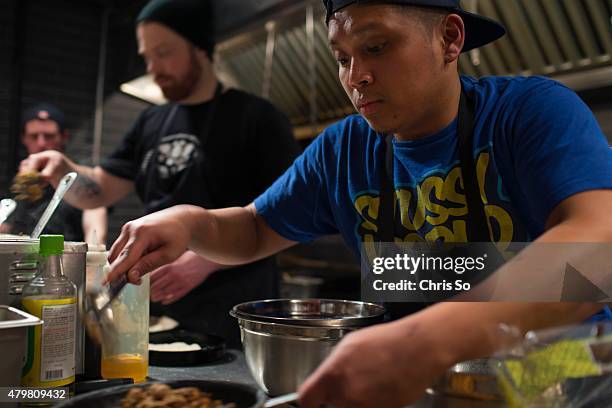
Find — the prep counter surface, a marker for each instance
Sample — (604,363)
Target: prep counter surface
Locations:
(234,368)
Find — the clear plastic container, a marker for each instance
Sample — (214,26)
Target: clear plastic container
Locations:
(128,355)
(568,366)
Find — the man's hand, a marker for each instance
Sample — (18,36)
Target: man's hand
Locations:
(51,164)
(93,188)
(388,365)
(172,282)
(150,242)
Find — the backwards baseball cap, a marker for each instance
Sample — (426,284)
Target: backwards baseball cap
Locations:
(479,30)
(44,111)
(192,19)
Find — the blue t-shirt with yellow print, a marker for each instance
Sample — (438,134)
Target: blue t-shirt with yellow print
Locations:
(535,144)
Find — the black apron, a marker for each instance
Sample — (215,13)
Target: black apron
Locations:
(477,223)
(206,308)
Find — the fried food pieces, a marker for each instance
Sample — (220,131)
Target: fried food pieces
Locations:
(28,186)
(162,395)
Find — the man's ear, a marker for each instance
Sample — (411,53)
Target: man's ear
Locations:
(453,37)
(202,55)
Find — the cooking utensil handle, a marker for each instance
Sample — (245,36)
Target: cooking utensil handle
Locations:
(283,399)
(64,184)
(116,286)
(112,290)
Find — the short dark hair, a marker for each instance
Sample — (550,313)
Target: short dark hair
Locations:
(427,17)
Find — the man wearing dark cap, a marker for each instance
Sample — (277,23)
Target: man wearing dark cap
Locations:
(209,146)
(43,128)
(433,156)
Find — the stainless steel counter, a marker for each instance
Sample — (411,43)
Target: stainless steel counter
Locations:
(234,368)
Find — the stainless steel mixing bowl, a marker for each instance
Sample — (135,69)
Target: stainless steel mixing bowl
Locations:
(285,340)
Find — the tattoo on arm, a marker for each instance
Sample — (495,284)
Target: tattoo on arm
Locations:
(84,186)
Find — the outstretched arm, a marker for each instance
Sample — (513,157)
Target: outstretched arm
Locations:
(95,225)
(93,188)
(230,236)
(419,348)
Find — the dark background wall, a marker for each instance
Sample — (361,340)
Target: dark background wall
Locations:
(600,101)
(9,79)
(51,52)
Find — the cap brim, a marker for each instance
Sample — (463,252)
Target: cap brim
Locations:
(479,30)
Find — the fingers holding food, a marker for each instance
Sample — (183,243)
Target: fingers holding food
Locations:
(28,186)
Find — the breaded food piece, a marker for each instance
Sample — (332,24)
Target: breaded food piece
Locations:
(28,186)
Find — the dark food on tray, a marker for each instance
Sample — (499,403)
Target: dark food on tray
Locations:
(28,186)
(162,395)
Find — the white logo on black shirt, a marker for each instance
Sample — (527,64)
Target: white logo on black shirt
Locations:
(175,153)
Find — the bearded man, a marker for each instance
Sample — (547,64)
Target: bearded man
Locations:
(209,146)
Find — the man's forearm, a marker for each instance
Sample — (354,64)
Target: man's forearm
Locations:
(86,192)
(466,331)
(232,236)
(94,188)
(227,236)
(95,225)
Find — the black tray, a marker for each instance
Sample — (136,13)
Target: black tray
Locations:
(244,396)
(213,349)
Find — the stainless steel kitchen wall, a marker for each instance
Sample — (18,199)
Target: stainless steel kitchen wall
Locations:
(569,40)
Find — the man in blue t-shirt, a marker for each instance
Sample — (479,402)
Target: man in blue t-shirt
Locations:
(542,171)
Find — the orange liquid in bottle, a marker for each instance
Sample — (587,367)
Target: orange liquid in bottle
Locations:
(125,366)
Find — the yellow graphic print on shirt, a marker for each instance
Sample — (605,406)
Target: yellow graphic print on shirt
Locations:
(436,209)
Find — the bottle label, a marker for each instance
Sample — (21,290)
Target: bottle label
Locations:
(51,346)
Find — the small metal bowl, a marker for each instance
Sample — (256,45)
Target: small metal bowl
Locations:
(285,340)
(474,379)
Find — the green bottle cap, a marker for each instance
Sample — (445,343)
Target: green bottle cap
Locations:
(51,245)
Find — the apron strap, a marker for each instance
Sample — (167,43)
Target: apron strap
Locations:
(386,208)
(477,220)
(151,166)
(151,170)
(477,224)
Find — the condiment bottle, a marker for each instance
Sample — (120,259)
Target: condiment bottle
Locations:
(52,297)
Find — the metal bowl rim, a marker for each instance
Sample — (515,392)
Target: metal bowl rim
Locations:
(348,321)
(248,320)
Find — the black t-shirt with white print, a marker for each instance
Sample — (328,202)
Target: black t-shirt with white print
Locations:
(248,145)
(221,163)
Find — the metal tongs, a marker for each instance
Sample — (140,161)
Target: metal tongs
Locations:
(282,400)
(63,186)
(98,314)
